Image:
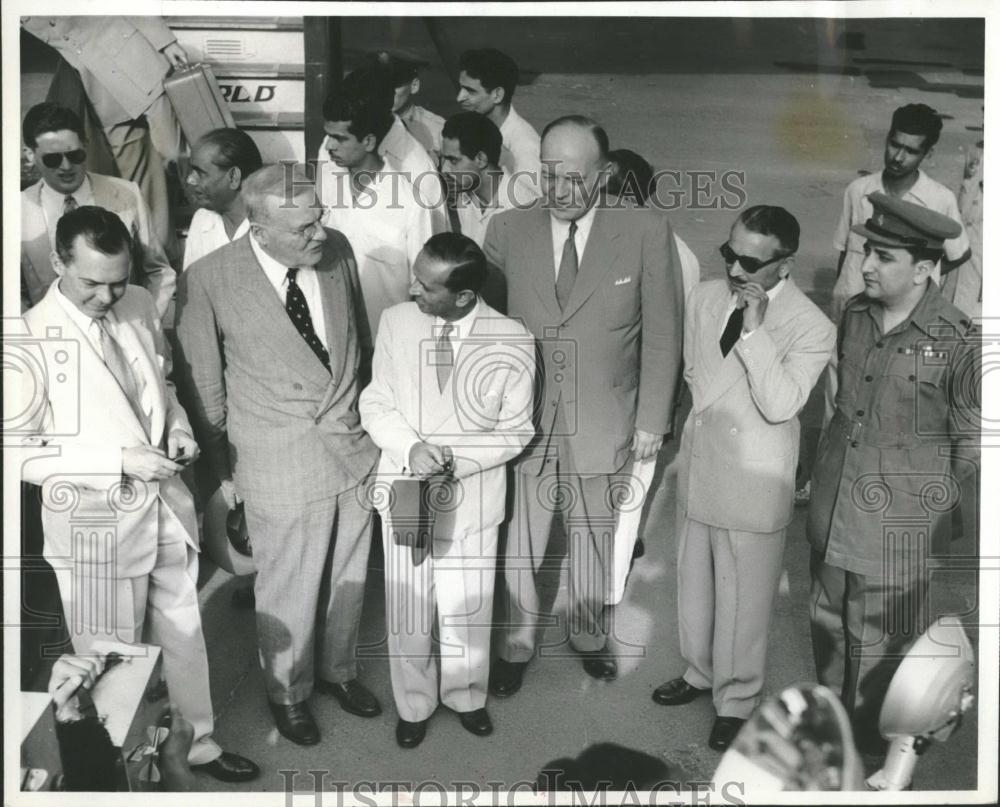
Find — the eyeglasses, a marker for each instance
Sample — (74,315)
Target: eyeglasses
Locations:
(55,158)
(750,265)
(299,232)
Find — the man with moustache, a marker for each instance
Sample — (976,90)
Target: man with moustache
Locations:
(754,347)
(268,364)
(591,283)
(903,441)
(220,162)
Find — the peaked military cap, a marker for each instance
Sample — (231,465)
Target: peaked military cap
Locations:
(897,223)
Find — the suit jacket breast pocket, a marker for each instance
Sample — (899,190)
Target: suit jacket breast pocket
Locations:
(621,301)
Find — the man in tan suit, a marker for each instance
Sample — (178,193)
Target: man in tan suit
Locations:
(53,137)
(120,526)
(268,369)
(754,346)
(584,278)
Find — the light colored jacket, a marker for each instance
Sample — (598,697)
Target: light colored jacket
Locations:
(80,423)
(483,413)
(150,269)
(740,444)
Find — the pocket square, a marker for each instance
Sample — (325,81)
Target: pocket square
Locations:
(623,280)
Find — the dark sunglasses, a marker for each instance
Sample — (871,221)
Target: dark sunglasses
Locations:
(750,265)
(54,160)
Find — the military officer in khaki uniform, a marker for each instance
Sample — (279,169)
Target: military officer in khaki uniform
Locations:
(904,437)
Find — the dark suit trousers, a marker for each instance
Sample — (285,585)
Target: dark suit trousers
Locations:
(311,565)
(589,519)
(862,626)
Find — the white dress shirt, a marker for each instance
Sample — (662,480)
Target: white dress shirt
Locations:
(387,226)
(207,233)
(54,204)
(560,232)
(522,149)
(92,330)
(306,280)
(474,217)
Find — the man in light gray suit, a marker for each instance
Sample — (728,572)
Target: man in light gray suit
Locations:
(584,278)
(754,347)
(268,364)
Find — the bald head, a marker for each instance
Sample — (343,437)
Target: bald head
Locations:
(574,165)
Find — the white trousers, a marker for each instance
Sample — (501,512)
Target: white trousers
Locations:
(456,579)
(160,608)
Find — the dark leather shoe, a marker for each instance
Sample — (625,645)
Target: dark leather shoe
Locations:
(410,735)
(352,696)
(724,731)
(639,549)
(677,691)
(599,664)
(477,722)
(229,768)
(506,677)
(295,722)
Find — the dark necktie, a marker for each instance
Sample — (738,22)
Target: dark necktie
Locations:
(298,311)
(734,326)
(121,369)
(69,204)
(445,358)
(568,267)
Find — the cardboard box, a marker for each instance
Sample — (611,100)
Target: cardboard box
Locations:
(126,697)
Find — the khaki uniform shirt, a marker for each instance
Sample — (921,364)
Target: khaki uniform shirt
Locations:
(905,432)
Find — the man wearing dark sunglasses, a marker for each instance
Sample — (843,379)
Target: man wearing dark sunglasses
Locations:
(54,142)
(754,346)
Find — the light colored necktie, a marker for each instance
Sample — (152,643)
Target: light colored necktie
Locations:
(568,268)
(69,204)
(445,358)
(121,369)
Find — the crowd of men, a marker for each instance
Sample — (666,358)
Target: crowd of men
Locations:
(466,327)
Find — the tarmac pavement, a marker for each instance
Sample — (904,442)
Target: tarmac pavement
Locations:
(801,108)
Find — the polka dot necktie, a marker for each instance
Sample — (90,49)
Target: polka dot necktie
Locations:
(298,311)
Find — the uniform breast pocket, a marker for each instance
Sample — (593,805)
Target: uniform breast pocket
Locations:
(136,61)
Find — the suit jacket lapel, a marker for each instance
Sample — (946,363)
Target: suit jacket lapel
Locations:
(598,258)
(544,272)
(720,372)
(93,367)
(38,250)
(258,299)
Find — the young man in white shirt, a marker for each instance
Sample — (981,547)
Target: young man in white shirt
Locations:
(914,131)
(220,161)
(470,159)
(375,207)
(401,151)
(487,81)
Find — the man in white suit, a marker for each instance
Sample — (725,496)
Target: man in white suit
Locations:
(450,401)
(53,138)
(120,528)
(754,346)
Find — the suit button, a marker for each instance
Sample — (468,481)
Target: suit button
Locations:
(880,343)
(296,386)
(552,403)
(697,422)
(912,378)
(869,378)
(559,378)
(732,431)
(860,413)
(854,444)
